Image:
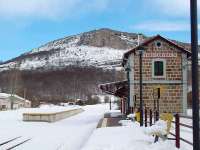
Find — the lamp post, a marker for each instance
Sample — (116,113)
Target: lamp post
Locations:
(195,80)
(128,69)
(141,49)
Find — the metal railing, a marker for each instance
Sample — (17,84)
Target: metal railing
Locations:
(155,116)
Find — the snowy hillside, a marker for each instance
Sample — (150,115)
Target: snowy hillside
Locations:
(70,67)
(99,48)
(78,56)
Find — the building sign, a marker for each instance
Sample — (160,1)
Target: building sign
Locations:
(160,55)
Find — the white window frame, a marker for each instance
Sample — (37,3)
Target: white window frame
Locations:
(164,68)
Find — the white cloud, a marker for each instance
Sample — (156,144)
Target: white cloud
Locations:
(50,9)
(175,8)
(162,26)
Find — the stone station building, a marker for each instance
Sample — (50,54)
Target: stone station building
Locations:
(164,69)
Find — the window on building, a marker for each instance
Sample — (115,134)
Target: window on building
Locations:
(158,68)
(158,44)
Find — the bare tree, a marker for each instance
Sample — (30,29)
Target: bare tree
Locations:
(106,99)
(14,78)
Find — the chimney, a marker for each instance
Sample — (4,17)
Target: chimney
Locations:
(139,40)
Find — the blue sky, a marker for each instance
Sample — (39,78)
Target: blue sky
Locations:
(27,24)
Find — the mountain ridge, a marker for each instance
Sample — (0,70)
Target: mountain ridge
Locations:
(92,39)
(90,48)
(69,67)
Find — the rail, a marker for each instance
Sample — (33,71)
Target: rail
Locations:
(9,145)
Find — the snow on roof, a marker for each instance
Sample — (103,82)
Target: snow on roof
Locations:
(6,96)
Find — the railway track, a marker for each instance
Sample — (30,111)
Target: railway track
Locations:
(13,143)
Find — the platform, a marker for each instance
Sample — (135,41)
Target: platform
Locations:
(111,119)
(50,117)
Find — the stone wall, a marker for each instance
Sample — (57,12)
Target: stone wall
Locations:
(171,85)
(170,100)
(173,64)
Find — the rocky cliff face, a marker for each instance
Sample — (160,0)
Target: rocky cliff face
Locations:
(109,38)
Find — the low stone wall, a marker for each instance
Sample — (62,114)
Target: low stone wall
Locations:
(50,117)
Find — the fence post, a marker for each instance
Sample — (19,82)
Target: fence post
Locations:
(177,128)
(124,107)
(121,105)
(132,110)
(110,104)
(145,117)
(157,115)
(150,117)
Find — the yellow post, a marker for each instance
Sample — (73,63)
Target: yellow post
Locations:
(137,116)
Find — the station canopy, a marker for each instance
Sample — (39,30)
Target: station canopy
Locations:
(119,89)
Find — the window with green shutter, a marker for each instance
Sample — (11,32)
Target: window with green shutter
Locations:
(158,68)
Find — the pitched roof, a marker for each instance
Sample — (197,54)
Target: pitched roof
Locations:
(149,40)
(6,96)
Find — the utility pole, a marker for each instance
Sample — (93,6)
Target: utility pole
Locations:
(195,76)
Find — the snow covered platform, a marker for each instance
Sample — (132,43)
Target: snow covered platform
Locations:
(115,132)
(111,119)
(128,137)
(50,116)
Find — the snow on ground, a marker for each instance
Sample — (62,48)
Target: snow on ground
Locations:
(129,137)
(67,134)
(79,132)
(133,137)
(50,109)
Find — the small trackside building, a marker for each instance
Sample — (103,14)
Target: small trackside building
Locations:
(164,67)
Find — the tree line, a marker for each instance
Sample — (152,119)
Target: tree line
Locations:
(56,86)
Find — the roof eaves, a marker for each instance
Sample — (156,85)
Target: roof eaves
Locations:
(125,57)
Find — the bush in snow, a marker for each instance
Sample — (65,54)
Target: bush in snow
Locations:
(92,100)
(159,128)
(131,116)
(106,99)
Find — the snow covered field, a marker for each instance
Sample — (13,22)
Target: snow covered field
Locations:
(67,134)
(79,132)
